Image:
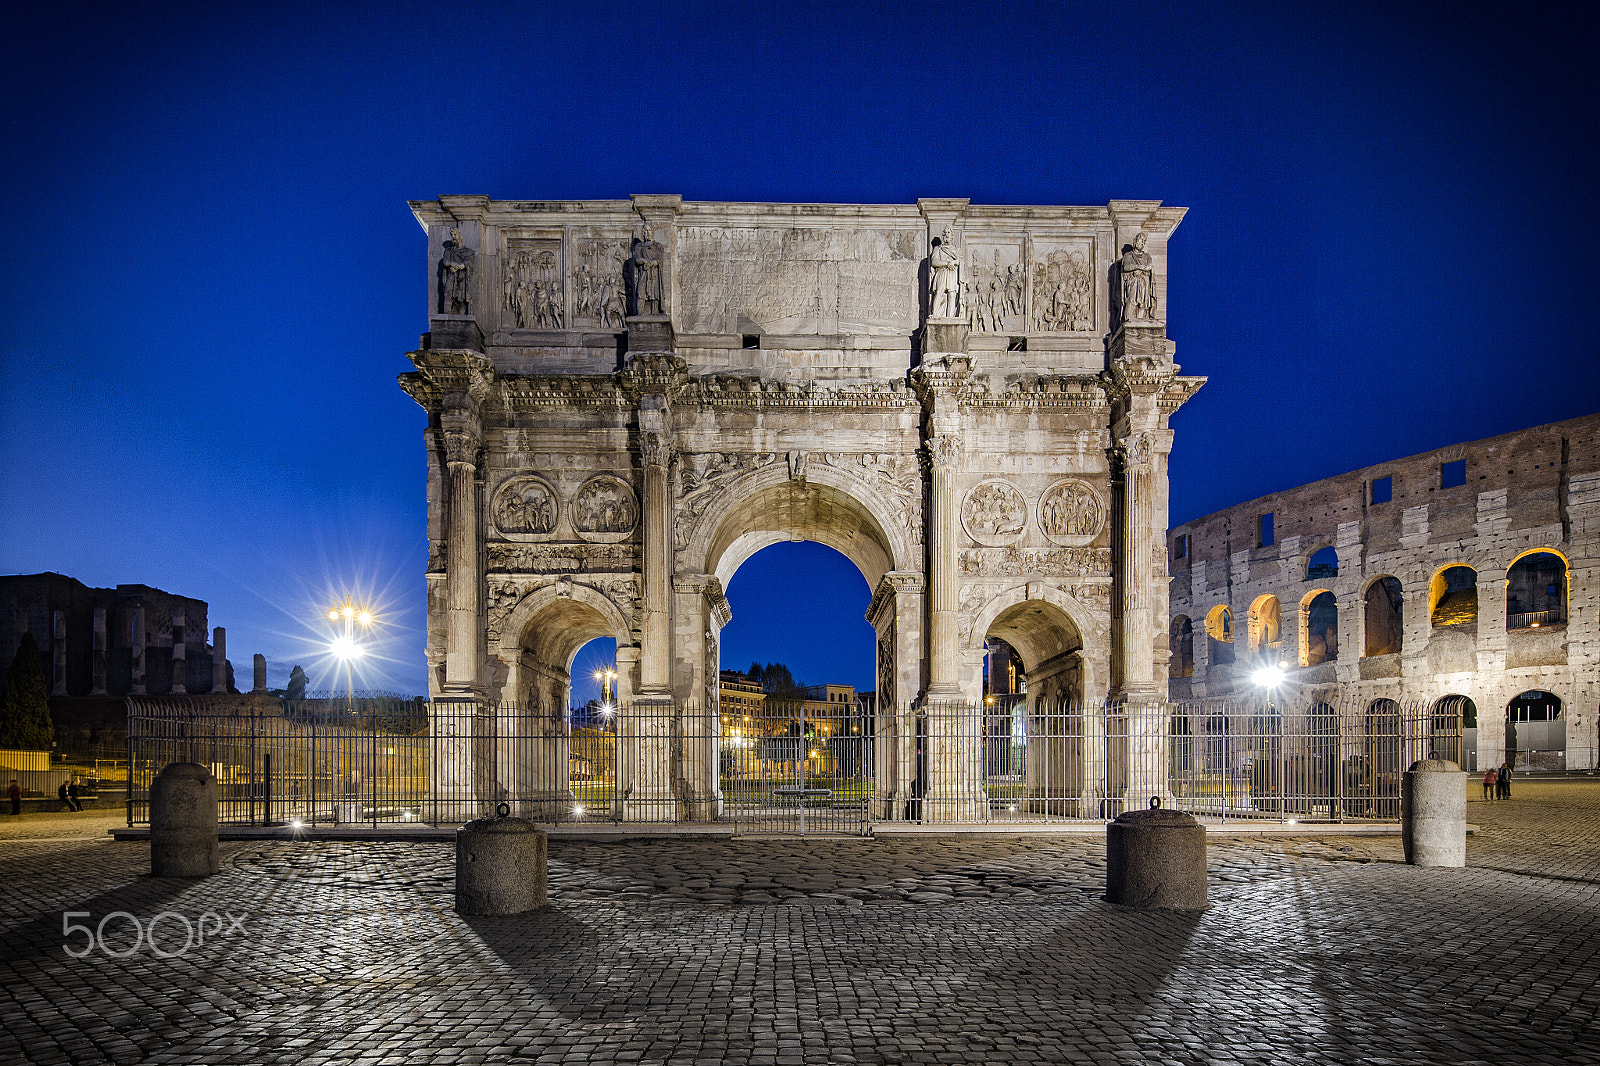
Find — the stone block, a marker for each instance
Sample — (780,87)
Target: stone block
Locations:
(501,866)
(1433,813)
(1156,860)
(183,822)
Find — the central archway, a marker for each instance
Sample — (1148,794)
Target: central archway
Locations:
(777,503)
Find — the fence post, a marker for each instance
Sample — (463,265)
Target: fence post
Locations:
(266,786)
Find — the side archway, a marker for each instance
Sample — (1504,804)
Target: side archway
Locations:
(1048,630)
(543,633)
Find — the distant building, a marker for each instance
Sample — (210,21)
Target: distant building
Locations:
(1466,578)
(130,640)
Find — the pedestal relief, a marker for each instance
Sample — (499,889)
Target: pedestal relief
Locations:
(525,506)
(993,513)
(1071,513)
(605,509)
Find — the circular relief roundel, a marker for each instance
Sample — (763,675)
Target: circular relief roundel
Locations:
(1071,513)
(994,513)
(605,508)
(525,505)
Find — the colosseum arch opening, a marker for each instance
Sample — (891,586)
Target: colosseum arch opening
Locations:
(1453,597)
(1536,590)
(1181,645)
(1266,628)
(1319,628)
(1384,617)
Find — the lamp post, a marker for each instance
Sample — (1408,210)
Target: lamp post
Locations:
(607,677)
(345,646)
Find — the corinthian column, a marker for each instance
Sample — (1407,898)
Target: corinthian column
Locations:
(463,435)
(1136,663)
(944,643)
(655,661)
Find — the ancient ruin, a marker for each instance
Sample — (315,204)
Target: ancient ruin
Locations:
(627,399)
(1465,577)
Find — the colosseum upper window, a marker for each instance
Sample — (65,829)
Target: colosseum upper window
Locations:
(1323,565)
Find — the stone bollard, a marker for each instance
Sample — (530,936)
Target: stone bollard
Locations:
(1156,860)
(500,865)
(1433,813)
(183,822)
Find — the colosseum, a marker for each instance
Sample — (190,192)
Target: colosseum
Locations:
(1464,578)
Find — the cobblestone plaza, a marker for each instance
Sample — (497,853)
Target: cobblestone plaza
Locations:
(905,950)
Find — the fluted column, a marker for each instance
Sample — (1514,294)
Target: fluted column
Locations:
(944,453)
(463,435)
(1136,658)
(655,663)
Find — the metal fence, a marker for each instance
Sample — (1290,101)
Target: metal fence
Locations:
(805,767)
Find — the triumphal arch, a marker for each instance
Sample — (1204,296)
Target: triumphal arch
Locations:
(628,398)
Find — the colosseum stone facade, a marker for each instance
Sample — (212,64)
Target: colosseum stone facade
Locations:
(1471,572)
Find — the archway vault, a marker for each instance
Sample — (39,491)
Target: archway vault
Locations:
(1045,625)
(768,506)
(546,629)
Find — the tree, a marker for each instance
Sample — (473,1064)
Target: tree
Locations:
(297,684)
(24,705)
(774,678)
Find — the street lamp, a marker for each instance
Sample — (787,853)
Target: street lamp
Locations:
(345,647)
(607,676)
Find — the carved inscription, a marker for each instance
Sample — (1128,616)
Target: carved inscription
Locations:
(993,513)
(605,505)
(796,280)
(1071,513)
(532,286)
(525,505)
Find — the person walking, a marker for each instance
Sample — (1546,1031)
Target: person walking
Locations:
(14,793)
(1490,779)
(1502,782)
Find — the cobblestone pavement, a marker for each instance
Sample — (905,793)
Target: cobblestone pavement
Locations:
(824,951)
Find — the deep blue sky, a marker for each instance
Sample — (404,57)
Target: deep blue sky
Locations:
(215,278)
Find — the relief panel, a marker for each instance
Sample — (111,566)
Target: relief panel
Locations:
(599,296)
(1063,286)
(605,509)
(525,508)
(531,287)
(1071,513)
(994,513)
(995,288)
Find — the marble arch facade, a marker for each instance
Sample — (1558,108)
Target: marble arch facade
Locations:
(1481,505)
(627,398)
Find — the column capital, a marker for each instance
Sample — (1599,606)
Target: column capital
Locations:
(944,449)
